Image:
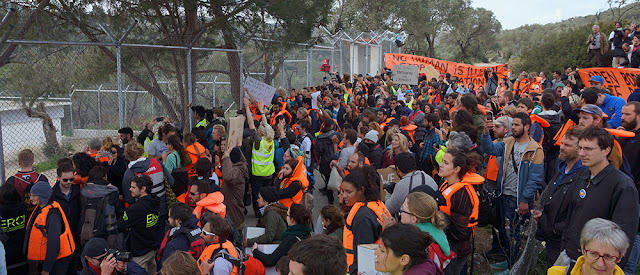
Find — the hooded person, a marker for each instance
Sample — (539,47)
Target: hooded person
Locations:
(273,218)
(375,154)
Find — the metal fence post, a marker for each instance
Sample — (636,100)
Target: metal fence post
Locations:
(283,67)
(366,59)
(153,106)
(311,67)
(71,107)
(241,80)
(118,43)
(2,176)
(214,90)
(189,85)
(100,108)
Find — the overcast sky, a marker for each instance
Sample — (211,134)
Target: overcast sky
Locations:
(513,14)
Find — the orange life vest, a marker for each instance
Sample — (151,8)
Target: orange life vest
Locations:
(467,181)
(491,173)
(385,123)
(378,207)
(78,179)
(535,87)
(211,251)
(411,130)
(299,174)
(212,202)
(254,111)
(195,152)
(37,229)
(520,86)
(100,159)
(283,112)
(560,134)
(501,89)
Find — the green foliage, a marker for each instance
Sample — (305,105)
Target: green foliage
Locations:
(565,48)
(472,36)
(52,152)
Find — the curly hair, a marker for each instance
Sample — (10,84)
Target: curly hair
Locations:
(83,163)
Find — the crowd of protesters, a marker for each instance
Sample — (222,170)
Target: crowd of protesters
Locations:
(517,152)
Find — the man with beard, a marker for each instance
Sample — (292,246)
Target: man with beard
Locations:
(630,148)
(551,217)
(519,177)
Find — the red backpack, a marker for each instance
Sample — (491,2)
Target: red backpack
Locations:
(193,235)
(441,260)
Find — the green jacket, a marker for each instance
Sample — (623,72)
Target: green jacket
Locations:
(274,224)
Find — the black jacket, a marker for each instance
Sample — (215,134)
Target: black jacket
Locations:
(610,195)
(141,220)
(179,240)
(71,208)
(366,230)
(13,216)
(116,172)
(555,203)
(342,111)
(375,154)
(635,58)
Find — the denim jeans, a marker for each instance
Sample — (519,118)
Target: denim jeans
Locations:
(630,268)
(510,226)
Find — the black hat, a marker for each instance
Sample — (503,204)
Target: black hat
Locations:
(95,247)
(269,193)
(235,155)
(394,122)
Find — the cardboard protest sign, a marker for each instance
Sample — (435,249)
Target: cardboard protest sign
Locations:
(259,90)
(465,72)
(314,100)
(236,125)
(621,82)
(387,175)
(405,74)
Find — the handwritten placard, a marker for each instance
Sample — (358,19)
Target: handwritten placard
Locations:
(405,74)
(261,92)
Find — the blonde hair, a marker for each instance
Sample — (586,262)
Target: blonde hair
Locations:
(106,143)
(509,110)
(425,209)
(180,263)
(282,92)
(219,129)
(133,151)
(402,139)
(266,131)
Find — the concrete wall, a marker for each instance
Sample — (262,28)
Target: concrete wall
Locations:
(20,131)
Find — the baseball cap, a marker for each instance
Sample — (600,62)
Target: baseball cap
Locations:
(503,120)
(559,84)
(591,109)
(597,78)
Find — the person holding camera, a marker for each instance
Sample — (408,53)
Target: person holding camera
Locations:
(597,46)
(98,259)
(619,38)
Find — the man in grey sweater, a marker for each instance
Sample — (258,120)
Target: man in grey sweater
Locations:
(406,169)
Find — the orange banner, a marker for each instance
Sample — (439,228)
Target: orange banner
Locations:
(621,82)
(465,72)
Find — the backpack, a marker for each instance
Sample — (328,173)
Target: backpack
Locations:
(314,156)
(196,243)
(438,256)
(98,220)
(24,184)
(247,264)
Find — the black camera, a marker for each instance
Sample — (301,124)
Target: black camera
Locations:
(120,256)
(593,42)
(618,30)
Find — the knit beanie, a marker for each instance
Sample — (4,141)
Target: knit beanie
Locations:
(94,248)
(269,193)
(43,190)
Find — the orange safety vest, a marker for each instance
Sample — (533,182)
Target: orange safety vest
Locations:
(254,111)
(560,134)
(210,252)
(212,202)
(467,181)
(411,130)
(520,86)
(195,152)
(78,179)
(533,86)
(283,111)
(37,230)
(299,174)
(101,159)
(501,89)
(378,207)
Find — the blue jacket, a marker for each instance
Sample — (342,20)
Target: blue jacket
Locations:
(635,96)
(180,242)
(612,106)
(531,171)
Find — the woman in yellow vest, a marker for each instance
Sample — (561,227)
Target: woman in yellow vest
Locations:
(462,203)
(292,181)
(361,192)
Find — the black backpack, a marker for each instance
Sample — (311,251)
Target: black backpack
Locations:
(98,219)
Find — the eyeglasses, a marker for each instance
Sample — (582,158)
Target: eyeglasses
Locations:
(66,180)
(586,149)
(402,211)
(208,233)
(594,256)
(195,194)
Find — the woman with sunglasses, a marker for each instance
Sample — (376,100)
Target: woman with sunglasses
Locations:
(298,218)
(421,210)
(603,244)
(117,166)
(402,250)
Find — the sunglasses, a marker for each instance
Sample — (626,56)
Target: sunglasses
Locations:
(195,194)
(208,233)
(66,180)
(114,152)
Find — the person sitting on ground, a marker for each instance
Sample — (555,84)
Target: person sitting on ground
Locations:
(298,218)
(274,216)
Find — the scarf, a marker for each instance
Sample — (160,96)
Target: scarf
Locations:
(299,230)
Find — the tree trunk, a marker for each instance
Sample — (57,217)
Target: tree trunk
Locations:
(48,127)
(235,66)
(431,42)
